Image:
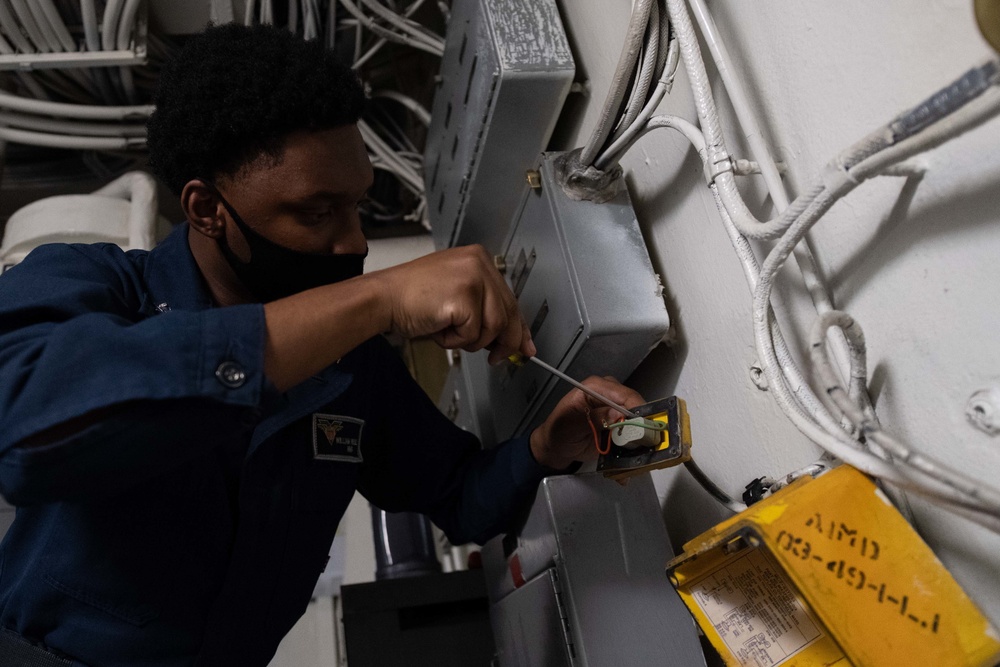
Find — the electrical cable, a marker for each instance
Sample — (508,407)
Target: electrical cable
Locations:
(92,39)
(71,127)
(52,37)
(620,80)
(649,59)
(418,110)
(72,142)
(10,27)
(749,262)
(410,27)
(969,116)
(30,26)
(717,493)
(423,45)
(84,111)
(864,418)
(622,141)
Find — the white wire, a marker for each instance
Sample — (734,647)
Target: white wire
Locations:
(84,111)
(58,40)
(864,418)
(109,23)
(649,58)
(72,142)
(408,175)
(381,31)
(126,26)
(30,26)
(625,139)
(10,27)
(361,60)
(412,28)
(967,117)
(419,111)
(72,127)
(759,150)
(619,81)
(91,35)
(767,335)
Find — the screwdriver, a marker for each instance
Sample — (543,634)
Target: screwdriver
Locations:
(518,360)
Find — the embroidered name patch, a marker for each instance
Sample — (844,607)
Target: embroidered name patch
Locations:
(337,438)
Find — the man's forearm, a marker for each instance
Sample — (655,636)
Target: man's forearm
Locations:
(309,331)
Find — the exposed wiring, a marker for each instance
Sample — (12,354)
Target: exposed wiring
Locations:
(597,438)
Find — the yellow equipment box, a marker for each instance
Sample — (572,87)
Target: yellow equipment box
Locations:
(827,572)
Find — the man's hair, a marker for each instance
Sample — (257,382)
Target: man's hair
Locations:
(232,94)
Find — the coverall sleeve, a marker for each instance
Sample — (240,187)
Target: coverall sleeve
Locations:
(427,464)
(77,339)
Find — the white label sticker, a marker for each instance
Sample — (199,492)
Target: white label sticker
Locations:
(754,609)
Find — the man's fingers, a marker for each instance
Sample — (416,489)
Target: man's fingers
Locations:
(613,390)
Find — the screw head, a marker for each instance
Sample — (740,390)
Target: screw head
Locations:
(534,179)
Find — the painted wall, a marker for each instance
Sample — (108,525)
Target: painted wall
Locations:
(915,262)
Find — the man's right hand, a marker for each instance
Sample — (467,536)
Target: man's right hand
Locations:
(458,298)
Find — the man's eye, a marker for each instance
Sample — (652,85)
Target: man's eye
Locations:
(314,217)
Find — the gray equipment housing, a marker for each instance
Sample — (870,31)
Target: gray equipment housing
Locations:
(582,583)
(505,73)
(586,286)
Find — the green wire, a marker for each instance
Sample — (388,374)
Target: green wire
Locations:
(648,424)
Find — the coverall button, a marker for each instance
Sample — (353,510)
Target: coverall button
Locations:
(231,374)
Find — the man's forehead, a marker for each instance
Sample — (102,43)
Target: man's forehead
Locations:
(320,165)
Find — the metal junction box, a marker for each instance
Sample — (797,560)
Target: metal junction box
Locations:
(505,74)
(582,583)
(586,286)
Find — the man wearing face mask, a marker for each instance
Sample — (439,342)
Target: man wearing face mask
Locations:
(181,430)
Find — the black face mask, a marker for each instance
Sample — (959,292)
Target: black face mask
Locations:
(275,271)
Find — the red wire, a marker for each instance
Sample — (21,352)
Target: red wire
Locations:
(597,440)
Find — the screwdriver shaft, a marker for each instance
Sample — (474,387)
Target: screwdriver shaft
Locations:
(590,392)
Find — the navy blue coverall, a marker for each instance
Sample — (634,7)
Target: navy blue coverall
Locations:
(188,520)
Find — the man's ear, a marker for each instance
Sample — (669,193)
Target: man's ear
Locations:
(203,209)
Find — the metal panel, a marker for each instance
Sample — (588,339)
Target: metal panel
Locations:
(609,547)
(505,73)
(464,401)
(528,625)
(588,291)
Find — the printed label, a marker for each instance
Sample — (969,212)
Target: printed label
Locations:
(753,607)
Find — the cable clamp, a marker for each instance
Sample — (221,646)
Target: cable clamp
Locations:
(837,179)
(718,163)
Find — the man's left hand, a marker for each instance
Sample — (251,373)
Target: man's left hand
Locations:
(566,437)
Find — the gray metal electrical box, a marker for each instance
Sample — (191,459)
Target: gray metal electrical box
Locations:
(582,583)
(464,399)
(505,73)
(586,287)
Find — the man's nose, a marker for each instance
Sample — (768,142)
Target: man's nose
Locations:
(353,242)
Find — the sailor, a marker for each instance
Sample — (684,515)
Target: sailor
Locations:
(181,430)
